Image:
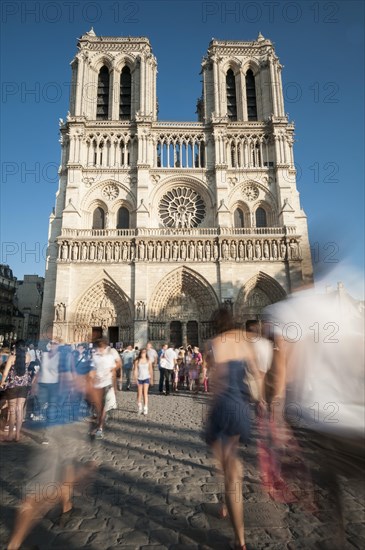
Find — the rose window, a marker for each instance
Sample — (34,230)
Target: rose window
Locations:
(110,191)
(181,207)
(250,192)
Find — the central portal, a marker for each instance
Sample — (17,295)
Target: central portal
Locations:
(181,309)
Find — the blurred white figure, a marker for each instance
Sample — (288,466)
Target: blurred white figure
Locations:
(320,338)
(319,369)
(262,346)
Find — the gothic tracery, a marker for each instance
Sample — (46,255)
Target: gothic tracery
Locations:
(182,207)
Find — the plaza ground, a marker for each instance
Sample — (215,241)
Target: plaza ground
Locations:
(156,488)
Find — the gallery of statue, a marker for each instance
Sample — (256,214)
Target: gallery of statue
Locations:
(158,222)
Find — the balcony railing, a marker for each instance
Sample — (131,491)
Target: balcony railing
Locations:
(177,232)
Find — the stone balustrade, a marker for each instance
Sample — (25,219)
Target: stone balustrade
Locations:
(192,232)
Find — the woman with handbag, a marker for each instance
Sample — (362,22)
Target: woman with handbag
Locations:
(230,358)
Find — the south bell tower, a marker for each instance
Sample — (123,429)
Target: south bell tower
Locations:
(242,81)
(243,101)
(158,222)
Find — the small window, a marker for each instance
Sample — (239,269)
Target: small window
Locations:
(123,218)
(261,218)
(125,94)
(251,96)
(98,218)
(231,95)
(102,108)
(239,218)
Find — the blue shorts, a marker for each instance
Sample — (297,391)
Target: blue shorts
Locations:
(141,382)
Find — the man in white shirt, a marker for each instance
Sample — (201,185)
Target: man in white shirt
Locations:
(170,362)
(103,376)
(47,380)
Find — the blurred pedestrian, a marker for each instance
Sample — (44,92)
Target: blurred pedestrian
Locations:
(128,357)
(318,383)
(55,469)
(230,356)
(103,377)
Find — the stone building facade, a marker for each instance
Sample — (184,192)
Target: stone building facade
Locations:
(28,298)
(11,323)
(156,222)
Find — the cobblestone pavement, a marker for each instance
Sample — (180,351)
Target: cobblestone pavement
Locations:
(156,487)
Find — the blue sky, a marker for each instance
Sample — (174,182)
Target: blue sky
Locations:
(320,44)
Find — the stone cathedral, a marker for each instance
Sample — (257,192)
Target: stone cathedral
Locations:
(159,222)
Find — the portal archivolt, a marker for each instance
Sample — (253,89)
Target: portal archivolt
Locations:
(260,291)
(180,295)
(103,305)
(181,308)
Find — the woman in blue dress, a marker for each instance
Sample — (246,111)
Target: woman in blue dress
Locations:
(230,356)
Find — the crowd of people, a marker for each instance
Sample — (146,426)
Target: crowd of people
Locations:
(304,382)
(32,379)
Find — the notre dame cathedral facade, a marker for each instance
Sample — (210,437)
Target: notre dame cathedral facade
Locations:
(158,222)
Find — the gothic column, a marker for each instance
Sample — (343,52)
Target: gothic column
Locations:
(273,87)
(216,87)
(79,82)
(281,111)
(115,93)
(184,333)
(220,97)
(243,95)
(142,88)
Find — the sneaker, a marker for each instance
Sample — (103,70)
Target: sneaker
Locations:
(99,434)
(145,410)
(140,408)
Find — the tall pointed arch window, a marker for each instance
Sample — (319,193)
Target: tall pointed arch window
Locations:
(251,96)
(239,218)
(261,219)
(123,218)
(98,218)
(231,95)
(102,107)
(125,100)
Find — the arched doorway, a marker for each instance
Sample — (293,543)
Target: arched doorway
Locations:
(104,310)
(181,309)
(259,292)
